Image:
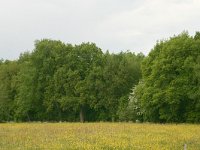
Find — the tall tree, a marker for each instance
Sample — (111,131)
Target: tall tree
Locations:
(170,81)
(8,72)
(81,61)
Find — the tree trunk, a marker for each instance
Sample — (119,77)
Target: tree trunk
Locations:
(28,118)
(81,115)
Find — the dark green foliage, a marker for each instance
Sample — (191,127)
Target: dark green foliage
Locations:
(64,82)
(8,73)
(61,82)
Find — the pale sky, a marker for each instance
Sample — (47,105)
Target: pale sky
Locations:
(114,25)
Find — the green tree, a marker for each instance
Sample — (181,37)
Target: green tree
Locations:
(25,90)
(170,82)
(121,73)
(81,61)
(8,72)
(58,81)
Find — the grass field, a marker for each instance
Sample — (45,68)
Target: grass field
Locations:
(58,136)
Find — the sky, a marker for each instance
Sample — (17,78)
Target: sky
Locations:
(114,25)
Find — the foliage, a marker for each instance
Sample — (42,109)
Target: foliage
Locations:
(171,84)
(64,82)
(59,81)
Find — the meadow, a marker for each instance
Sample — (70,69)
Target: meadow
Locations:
(94,136)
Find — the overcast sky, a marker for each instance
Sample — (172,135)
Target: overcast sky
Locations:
(114,25)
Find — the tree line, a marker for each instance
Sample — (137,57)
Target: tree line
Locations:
(64,82)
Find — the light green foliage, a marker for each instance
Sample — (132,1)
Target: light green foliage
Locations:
(170,81)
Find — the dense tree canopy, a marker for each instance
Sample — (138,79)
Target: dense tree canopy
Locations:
(62,82)
(170,88)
